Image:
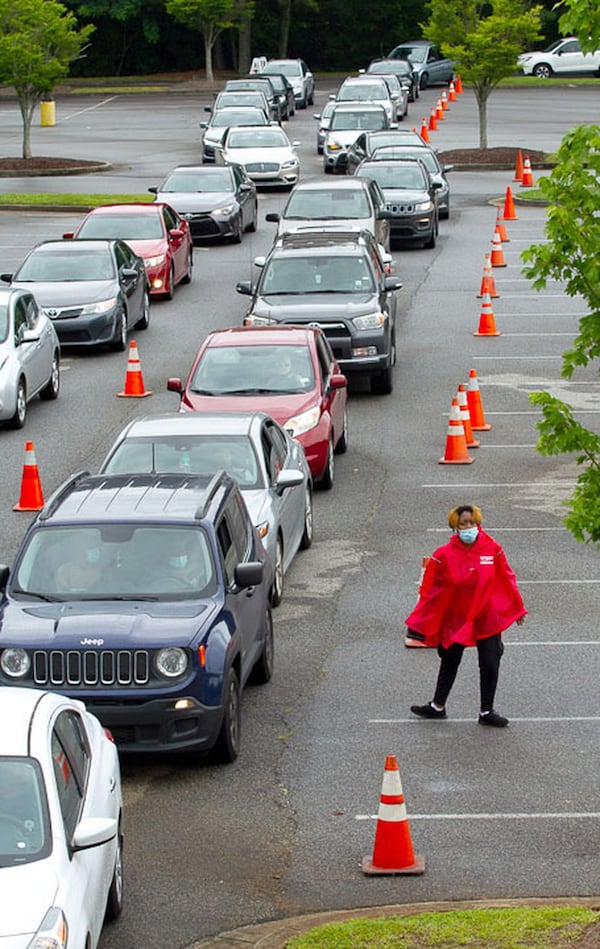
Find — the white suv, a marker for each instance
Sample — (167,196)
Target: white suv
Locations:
(563,56)
(299,75)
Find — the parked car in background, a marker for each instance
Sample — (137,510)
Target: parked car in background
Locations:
(268,464)
(155,232)
(285,91)
(336,280)
(240,98)
(346,204)
(61,835)
(219,122)
(289,372)
(152,607)
(216,201)
(562,57)
(431,67)
(266,155)
(29,355)
(403,69)
(264,84)
(430,160)
(364,88)
(299,75)
(410,196)
(348,120)
(323,118)
(94,291)
(366,143)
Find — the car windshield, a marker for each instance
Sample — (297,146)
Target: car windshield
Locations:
(416,54)
(115,561)
(286,69)
(224,118)
(329,204)
(127,227)
(399,67)
(70,265)
(209,181)
(394,152)
(24,825)
(318,274)
(393,137)
(358,121)
(362,91)
(3,323)
(267,138)
(394,175)
(194,454)
(228,100)
(254,370)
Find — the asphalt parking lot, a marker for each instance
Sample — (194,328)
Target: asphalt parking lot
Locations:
(283,831)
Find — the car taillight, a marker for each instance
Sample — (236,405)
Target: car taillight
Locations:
(109,735)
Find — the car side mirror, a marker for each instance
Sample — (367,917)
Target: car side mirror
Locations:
(316,115)
(129,273)
(175,233)
(392,283)
(208,108)
(4,575)
(384,215)
(203,125)
(447,168)
(175,385)
(393,125)
(6,277)
(338,381)
(273,217)
(153,190)
(259,261)
(244,287)
(288,479)
(68,235)
(248,574)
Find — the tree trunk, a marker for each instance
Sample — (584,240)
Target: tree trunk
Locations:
(27,104)
(284,30)
(208,47)
(245,46)
(482,96)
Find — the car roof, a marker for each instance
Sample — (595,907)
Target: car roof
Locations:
(193,423)
(205,169)
(135,207)
(77,246)
(316,238)
(264,335)
(358,105)
(347,183)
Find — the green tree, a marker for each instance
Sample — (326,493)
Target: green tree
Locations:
(38,41)
(135,20)
(485,40)
(210,18)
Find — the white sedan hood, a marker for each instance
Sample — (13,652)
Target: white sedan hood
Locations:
(26,894)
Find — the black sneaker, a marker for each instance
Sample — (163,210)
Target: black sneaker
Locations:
(427,711)
(493,719)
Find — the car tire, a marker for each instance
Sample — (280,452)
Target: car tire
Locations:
(278,575)
(236,237)
(302,103)
(307,534)
(170,291)
(542,71)
(328,169)
(424,81)
(262,671)
(114,903)
(189,269)
(383,382)
(144,321)
(311,99)
(119,342)
(326,481)
(52,387)
(227,745)
(254,222)
(18,419)
(342,446)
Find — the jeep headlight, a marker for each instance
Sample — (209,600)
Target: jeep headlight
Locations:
(371,321)
(171,662)
(423,206)
(299,424)
(15,663)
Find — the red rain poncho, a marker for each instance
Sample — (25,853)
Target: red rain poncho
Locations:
(467,593)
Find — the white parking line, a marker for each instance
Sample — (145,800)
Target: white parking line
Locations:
(566,815)
(469,721)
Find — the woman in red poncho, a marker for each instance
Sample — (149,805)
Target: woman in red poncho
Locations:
(468,596)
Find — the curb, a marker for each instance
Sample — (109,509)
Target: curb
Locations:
(275,934)
(89,169)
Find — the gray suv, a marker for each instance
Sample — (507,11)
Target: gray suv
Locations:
(338,281)
(426,59)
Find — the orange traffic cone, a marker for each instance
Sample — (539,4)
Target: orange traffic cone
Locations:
(478,422)
(413,639)
(488,284)
(509,207)
(487,323)
(32,498)
(459,86)
(465,415)
(445,105)
(424,133)
(432,121)
(439,112)
(497,257)
(451,92)
(518,167)
(527,178)
(134,383)
(501,227)
(456,444)
(393,849)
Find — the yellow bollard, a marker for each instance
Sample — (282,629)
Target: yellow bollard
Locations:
(47,112)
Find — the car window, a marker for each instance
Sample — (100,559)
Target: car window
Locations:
(121,225)
(20,319)
(124,256)
(68,265)
(24,826)
(325,357)
(69,728)
(70,792)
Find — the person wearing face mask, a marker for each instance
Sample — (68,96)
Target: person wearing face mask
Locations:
(468,597)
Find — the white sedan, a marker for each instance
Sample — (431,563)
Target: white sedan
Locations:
(266,154)
(61,868)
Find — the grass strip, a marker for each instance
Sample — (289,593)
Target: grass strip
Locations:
(80,200)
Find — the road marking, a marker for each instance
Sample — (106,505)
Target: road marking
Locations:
(567,815)
(563,483)
(90,108)
(470,721)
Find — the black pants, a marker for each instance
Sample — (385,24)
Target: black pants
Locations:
(489,652)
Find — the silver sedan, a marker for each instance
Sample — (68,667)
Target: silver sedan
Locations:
(269,465)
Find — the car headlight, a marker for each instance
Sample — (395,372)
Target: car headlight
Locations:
(253,320)
(102,306)
(15,662)
(371,321)
(299,424)
(155,261)
(290,163)
(226,209)
(171,662)
(423,205)
(53,933)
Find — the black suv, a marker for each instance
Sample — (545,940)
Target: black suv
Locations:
(147,597)
(336,280)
